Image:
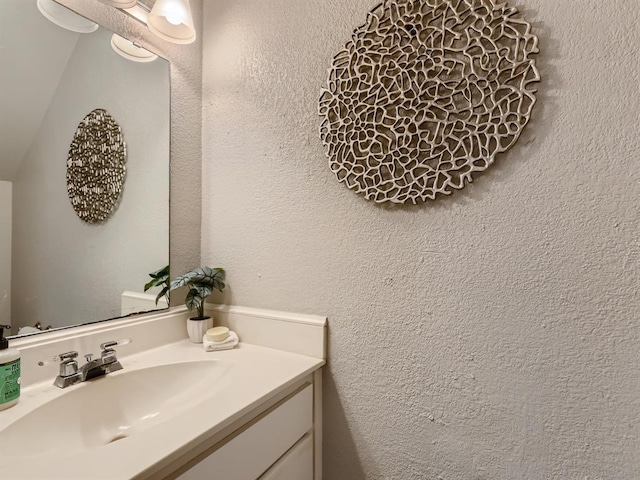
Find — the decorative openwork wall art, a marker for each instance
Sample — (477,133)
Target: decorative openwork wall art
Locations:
(96,167)
(425,94)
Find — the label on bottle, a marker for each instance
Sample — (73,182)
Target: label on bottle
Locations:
(10,381)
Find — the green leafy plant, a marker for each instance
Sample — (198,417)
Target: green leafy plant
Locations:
(160,278)
(201,283)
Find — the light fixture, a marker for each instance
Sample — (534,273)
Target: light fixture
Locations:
(171,20)
(127,49)
(65,18)
(121,3)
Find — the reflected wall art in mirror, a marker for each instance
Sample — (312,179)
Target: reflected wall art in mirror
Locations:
(56,269)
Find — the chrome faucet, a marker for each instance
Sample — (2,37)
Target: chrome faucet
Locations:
(107,363)
(71,373)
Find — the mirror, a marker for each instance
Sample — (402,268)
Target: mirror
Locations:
(55,269)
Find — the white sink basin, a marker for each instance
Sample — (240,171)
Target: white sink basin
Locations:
(112,408)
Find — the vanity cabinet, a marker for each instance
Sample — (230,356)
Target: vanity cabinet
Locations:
(250,413)
(279,440)
(296,464)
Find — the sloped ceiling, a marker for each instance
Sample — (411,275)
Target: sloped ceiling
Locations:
(33,55)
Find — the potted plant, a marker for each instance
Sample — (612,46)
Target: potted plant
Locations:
(159,278)
(201,283)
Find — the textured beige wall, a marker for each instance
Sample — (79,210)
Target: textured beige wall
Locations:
(491,335)
(186,123)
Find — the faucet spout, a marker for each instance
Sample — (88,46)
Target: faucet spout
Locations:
(99,367)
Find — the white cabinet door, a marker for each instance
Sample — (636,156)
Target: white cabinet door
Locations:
(297,464)
(249,454)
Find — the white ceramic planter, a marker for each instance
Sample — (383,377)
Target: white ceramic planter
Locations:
(197,328)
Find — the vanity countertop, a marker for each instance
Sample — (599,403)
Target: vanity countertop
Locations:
(256,374)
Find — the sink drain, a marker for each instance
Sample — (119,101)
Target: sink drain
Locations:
(119,436)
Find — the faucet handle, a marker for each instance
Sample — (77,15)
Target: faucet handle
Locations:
(63,357)
(68,363)
(68,356)
(107,346)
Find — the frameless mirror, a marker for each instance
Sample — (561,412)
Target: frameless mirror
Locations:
(55,269)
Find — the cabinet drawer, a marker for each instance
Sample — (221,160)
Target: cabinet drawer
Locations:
(297,463)
(250,453)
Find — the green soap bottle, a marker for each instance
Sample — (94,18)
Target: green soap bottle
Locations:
(9,372)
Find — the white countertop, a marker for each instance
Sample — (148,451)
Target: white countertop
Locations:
(257,375)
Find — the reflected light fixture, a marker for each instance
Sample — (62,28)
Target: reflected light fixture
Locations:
(65,18)
(171,20)
(129,50)
(121,3)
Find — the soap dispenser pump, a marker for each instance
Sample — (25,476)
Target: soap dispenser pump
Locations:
(9,372)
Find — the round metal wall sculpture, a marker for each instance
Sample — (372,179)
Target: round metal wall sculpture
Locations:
(96,167)
(425,94)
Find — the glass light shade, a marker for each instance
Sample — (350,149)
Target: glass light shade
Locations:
(120,3)
(171,20)
(65,18)
(130,51)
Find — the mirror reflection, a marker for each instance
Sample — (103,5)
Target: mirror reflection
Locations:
(56,269)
